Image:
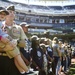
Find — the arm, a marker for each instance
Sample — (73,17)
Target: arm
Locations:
(2,45)
(21,43)
(9,46)
(33,62)
(25,60)
(4,39)
(51,59)
(0,37)
(5,47)
(59,52)
(1,49)
(5,44)
(37,67)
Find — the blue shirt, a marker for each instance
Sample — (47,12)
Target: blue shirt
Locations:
(3,34)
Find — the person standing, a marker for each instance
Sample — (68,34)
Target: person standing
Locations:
(25,27)
(5,62)
(14,30)
(25,51)
(56,54)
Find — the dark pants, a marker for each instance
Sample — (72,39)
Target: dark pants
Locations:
(54,64)
(64,64)
(25,53)
(7,66)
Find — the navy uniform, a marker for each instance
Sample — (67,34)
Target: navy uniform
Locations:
(45,57)
(36,53)
(38,58)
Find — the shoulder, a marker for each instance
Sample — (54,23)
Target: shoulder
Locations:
(15,25)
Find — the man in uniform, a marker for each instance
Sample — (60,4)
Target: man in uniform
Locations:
(5,62)
(15,31)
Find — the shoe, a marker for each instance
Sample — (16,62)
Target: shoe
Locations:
(65,72)
(30,72)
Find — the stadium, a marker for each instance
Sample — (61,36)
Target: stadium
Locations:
(55,16)
(37,37)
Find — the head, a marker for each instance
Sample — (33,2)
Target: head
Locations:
(42,40)
(55,40)
(24,26)
(11,10)
(47,41)
(43,47)
(3,13)
(60,43)
(35,40)
(46,34)
(65,43)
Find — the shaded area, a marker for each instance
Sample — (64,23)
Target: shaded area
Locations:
(72,67)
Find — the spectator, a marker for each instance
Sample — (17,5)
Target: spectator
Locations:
(13,30)
(25,51)
(4,59)
(56,53)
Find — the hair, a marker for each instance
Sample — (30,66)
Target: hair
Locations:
(34,47)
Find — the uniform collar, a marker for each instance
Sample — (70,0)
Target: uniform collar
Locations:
(5,25)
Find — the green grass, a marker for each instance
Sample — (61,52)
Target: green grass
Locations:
(71,71)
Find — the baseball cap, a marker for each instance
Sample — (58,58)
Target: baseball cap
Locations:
(24,24)
(34,37)
(2,9)
(42,45)
(11,7)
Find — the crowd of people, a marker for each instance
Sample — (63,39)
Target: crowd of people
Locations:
(20,55)
(50,57)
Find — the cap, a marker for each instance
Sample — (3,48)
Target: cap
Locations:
(42,46)
(34,37)
(42,40)
(2,9)
(24,24)
(11,7)
(55,38)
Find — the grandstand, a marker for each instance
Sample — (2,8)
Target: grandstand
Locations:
(59,17)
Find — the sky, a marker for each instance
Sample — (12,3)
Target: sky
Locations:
(35,2)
